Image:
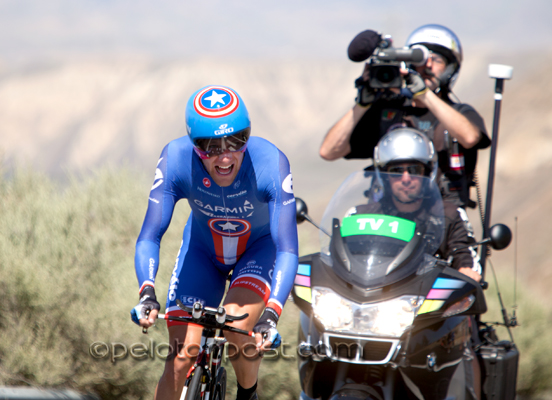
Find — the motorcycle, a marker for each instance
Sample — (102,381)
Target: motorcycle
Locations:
(381,316)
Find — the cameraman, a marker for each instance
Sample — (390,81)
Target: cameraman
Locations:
(424,103)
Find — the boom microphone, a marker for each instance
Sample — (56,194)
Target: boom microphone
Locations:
(363,45)
(416,55)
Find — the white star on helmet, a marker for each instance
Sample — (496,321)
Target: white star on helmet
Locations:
(216,98)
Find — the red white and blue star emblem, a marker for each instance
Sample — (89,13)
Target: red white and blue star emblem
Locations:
(230,238)
(216,101)
(230,226)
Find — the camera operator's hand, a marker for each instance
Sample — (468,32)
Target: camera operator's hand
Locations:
(366,95)
(415,84)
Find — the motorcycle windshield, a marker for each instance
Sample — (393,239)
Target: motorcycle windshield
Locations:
(381,227)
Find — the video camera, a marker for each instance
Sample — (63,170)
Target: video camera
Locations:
(384,61)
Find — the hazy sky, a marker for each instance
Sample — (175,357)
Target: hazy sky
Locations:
(32,29)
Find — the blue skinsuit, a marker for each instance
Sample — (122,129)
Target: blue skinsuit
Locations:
(248,227)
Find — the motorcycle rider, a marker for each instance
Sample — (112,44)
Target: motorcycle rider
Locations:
(242,221)
(456,129)
(406,155)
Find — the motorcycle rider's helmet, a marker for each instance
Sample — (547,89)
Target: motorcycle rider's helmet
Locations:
(217,120)
(402,145)
(441,40)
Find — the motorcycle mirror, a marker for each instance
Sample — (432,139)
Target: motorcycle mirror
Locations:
(501,236)
(301,214)
(302,211)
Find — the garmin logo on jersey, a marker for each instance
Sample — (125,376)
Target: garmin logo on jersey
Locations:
(206,182)
(246,206)
(287,184)
(223,129)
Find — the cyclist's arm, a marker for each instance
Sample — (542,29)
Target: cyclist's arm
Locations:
(162,200)
(283,228)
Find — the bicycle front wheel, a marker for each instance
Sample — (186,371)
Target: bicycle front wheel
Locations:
(220,385)
(194,388)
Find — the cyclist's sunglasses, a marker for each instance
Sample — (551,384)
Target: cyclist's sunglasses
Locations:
(211,147)
(413,169)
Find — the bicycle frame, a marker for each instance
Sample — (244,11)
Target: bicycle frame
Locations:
(208,360)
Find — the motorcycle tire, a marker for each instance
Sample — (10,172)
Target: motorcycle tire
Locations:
(194,388)
(219,389)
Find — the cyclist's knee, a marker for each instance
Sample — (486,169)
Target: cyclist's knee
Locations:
(177,366)
(184,342)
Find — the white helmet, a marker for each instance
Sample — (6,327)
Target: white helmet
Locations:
(403,145)
(441,40)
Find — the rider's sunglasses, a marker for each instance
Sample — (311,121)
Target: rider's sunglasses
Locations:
(415,169)
(211,147)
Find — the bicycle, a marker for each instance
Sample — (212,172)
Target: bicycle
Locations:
(207,376)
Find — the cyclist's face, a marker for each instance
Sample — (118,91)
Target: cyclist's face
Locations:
(224,167)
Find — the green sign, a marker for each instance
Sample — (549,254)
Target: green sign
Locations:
(378,224)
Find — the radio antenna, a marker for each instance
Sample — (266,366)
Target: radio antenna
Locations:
(514,318)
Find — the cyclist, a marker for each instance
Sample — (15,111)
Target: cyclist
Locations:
(242,222)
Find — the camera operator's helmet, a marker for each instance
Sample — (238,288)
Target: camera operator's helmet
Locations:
(406,145)
(217,120)
(441,40)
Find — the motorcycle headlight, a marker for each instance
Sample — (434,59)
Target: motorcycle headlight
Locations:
(332,310)
(387,318)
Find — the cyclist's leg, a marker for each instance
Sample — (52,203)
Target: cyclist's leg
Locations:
(177,366)
(249,291)
(195,278)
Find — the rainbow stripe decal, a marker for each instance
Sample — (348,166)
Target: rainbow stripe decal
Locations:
(441,290)
(303,282)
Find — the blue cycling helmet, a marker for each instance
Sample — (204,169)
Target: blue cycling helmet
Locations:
(216,112)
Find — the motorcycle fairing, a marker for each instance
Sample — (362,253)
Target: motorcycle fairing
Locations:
(434,283)
(373,244)
(449,287)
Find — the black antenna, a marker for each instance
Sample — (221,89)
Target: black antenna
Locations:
(513,320)
(508,323)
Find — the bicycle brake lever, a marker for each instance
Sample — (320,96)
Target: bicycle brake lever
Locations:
(237,318)
(183,307)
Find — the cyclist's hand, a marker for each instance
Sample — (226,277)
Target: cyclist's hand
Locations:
(266,334)
(145,313)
